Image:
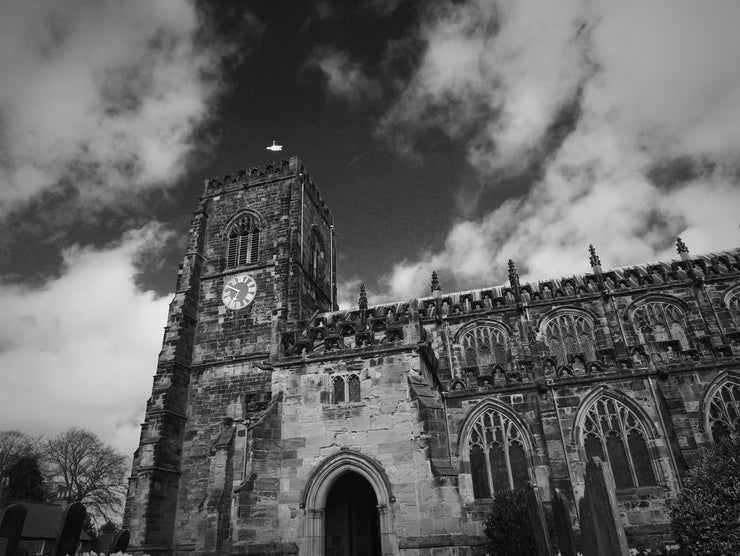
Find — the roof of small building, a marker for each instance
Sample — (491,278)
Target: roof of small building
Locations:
(43,520)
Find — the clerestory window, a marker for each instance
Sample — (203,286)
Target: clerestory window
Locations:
(660,321)
(485,345)
(243,241)
(498,459)
(569,334)
(612,432)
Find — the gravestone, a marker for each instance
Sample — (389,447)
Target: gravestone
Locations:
(120,541)
(563,528)
(112,540)
(11,526)
(602,533)
(537,520)
(69,530)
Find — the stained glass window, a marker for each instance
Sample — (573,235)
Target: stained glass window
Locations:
(498,459)
(613,433)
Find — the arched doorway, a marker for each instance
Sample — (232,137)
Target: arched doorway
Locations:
(351,518)
(344,479)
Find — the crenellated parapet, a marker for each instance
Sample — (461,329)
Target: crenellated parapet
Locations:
(624,280)
(649,319)
(366,328)
(258,175)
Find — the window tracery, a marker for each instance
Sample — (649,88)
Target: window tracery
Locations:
(724,411)
(733,304)
(613,432)
(570,335)
(243,241)
(661,321)
(498,458)
(484,346)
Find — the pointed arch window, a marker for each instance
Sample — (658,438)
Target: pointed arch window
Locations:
(243,241)
(733,304)
(661,322)
(484,346)
(613,432)
(498,458)
(570,334)
(318,258)
(724,411)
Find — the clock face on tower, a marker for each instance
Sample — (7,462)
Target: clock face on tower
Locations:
(239,291)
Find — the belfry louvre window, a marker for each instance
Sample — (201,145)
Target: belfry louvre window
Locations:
(498,460)
(485,345)
(345,389)
(724,411)
(317,257)
(244,242)
(568,334)
(613,433)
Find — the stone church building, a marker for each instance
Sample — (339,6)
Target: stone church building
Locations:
(278,424)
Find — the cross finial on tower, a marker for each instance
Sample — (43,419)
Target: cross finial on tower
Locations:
(593,258)
(363,298)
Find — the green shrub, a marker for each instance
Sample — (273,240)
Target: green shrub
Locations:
(705,518)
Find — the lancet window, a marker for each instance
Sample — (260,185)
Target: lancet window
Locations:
(485,345)
(613,432)
(318,258)
(244,241)
(660,321)
(724,411)
(345,389)
(498,459)
(569,334)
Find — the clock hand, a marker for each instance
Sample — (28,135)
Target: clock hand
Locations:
(233,288)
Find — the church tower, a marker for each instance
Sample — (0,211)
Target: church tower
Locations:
(260,252)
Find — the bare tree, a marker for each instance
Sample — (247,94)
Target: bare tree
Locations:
(84,469)
(13,446)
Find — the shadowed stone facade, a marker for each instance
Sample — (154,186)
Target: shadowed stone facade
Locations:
(289,427)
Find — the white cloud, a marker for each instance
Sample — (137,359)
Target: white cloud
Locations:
(657,85)
(489,75)
(103,97)
(345,78)
(81,349)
